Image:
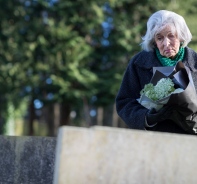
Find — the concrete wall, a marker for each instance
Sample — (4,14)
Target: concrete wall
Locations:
(27,160)
(102,155)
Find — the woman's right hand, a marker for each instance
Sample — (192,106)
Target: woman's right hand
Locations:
(154,116)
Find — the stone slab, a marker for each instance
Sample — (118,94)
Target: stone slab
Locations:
(103,155)
(27,159)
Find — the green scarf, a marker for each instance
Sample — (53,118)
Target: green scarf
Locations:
(171,62)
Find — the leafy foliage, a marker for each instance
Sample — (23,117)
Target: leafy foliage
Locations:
(68,51)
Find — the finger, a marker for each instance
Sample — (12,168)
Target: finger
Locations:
(152,111)
(166,109)
(166,114)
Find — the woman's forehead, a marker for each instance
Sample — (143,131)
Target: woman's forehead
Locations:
(166,29)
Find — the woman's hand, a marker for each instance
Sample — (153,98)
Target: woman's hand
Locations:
(154,116)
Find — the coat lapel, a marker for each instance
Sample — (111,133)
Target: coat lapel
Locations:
(147,60)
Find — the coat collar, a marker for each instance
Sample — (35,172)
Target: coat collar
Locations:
(148,60)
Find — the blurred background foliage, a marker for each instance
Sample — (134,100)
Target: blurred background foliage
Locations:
(62,62)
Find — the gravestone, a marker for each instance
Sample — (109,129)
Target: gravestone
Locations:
(27,159)
(103,155)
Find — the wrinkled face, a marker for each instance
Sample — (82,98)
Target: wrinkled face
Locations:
(167,42)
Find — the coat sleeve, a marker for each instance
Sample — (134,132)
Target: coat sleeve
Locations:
(130,111)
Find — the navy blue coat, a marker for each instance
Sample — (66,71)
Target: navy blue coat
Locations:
(138,73)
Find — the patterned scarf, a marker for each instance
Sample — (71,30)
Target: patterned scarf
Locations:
(171,62)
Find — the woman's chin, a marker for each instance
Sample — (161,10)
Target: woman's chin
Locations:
(171,56)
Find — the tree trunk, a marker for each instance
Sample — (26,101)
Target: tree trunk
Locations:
(107,115)
(64,114)
(100,116)
(31,117)
(49,118)
(56,118)
(86,112)
(115,117)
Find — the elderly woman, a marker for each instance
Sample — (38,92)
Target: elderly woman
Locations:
(164,44)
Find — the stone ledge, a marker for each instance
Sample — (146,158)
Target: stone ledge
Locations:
(123,156)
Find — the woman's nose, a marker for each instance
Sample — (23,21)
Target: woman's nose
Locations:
(166,41)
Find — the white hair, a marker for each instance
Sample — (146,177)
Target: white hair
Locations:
(161,19)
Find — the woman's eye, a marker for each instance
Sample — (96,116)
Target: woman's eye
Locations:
(159,38)
(171,36)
